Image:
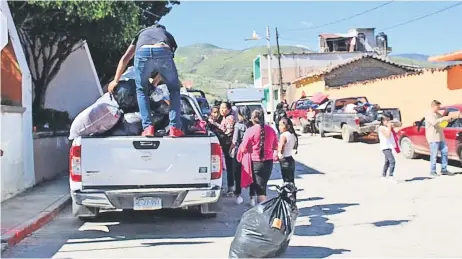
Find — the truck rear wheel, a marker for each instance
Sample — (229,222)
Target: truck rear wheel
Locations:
(84,213)
(321,132)
(304,125)
(209,210)
(348,135)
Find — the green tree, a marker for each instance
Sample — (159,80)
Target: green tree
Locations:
(108,51)
(51,30)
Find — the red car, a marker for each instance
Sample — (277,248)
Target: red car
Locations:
(414,143)
(297,112)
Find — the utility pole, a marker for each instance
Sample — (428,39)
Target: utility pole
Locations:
(270,75)
(281,88)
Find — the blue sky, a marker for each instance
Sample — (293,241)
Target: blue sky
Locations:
(227,24)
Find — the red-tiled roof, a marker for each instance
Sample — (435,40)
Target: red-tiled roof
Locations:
(454,56)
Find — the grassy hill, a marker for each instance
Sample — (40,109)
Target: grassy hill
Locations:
(214,69)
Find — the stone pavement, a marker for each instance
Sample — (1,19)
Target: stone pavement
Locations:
(30,210)
(345,210)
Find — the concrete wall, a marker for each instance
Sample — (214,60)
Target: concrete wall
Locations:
(411,93)
(361,70)
(12,161)
(17,162)
(312,86)
(51,155)
(76,86)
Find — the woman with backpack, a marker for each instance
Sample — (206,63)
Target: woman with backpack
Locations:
(287,143)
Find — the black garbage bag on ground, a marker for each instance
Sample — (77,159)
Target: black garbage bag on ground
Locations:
(130,125)
(266,229)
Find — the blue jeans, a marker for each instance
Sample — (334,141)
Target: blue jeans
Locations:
(434,148)
(148,60)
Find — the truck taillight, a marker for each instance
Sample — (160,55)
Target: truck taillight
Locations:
(75,165)
(216,163)
(357,121)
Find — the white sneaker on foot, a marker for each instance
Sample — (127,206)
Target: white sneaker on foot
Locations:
(239,200)
(383,178)
(253,201)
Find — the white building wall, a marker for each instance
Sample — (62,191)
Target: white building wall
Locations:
(76,86)
(17,163)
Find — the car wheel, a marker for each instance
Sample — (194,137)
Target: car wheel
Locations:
(304,125)
(347,135)
(321,132)
(407,148)
(460,154)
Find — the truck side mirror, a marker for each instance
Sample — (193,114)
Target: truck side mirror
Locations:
(269,113)
(417,123)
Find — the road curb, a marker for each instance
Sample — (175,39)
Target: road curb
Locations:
(15,235)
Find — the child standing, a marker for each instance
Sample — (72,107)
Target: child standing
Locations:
(387,144)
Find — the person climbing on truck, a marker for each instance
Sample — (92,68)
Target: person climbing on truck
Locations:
(153,48)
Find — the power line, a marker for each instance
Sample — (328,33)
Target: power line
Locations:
(343,19)
(421,17)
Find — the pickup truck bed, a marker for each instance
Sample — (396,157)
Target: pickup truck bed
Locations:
(146,173)
(334,120)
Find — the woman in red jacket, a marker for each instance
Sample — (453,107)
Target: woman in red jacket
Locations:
(261,142)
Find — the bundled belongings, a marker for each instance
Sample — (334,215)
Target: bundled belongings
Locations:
(99,118)
(319,98)
(125,92)
(266,229)
(130,125)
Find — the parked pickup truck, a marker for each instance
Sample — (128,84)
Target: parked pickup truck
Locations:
(146,173)
(332,119)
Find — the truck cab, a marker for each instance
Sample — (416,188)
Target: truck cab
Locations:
(146,173)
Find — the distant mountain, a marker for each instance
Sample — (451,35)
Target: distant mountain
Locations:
(415,56)
(214,69)
(418,60)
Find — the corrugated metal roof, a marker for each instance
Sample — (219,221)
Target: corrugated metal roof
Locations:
(343,63)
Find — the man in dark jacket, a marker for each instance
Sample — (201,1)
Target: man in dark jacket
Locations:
(153,49)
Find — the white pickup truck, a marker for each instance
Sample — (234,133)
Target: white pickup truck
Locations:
(146,173)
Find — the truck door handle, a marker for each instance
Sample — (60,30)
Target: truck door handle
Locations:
(146,144)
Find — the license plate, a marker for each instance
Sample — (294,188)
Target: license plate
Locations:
(147,203)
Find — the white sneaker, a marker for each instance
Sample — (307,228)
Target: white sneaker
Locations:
(239,200)
(253,201)
(383,178)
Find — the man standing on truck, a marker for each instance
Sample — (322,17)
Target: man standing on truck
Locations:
(153,49)
(435,138)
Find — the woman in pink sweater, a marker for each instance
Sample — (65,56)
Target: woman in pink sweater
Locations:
(260,141)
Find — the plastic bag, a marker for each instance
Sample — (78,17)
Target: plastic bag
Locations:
(266,229)
(130,125)
(100,117)
(125,96)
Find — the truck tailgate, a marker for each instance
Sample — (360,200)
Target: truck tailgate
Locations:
(145,162)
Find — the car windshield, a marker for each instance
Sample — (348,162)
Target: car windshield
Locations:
(252,107)
(205,107)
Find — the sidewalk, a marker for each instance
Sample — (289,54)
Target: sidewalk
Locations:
(32,209)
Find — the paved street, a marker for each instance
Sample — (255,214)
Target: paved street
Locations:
(345,210)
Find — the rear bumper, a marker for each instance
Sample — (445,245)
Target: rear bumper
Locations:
(124,199)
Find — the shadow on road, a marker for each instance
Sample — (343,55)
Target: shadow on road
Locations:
(311,252)
(419,178)
(365,139)
(388,223)
(319,224)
